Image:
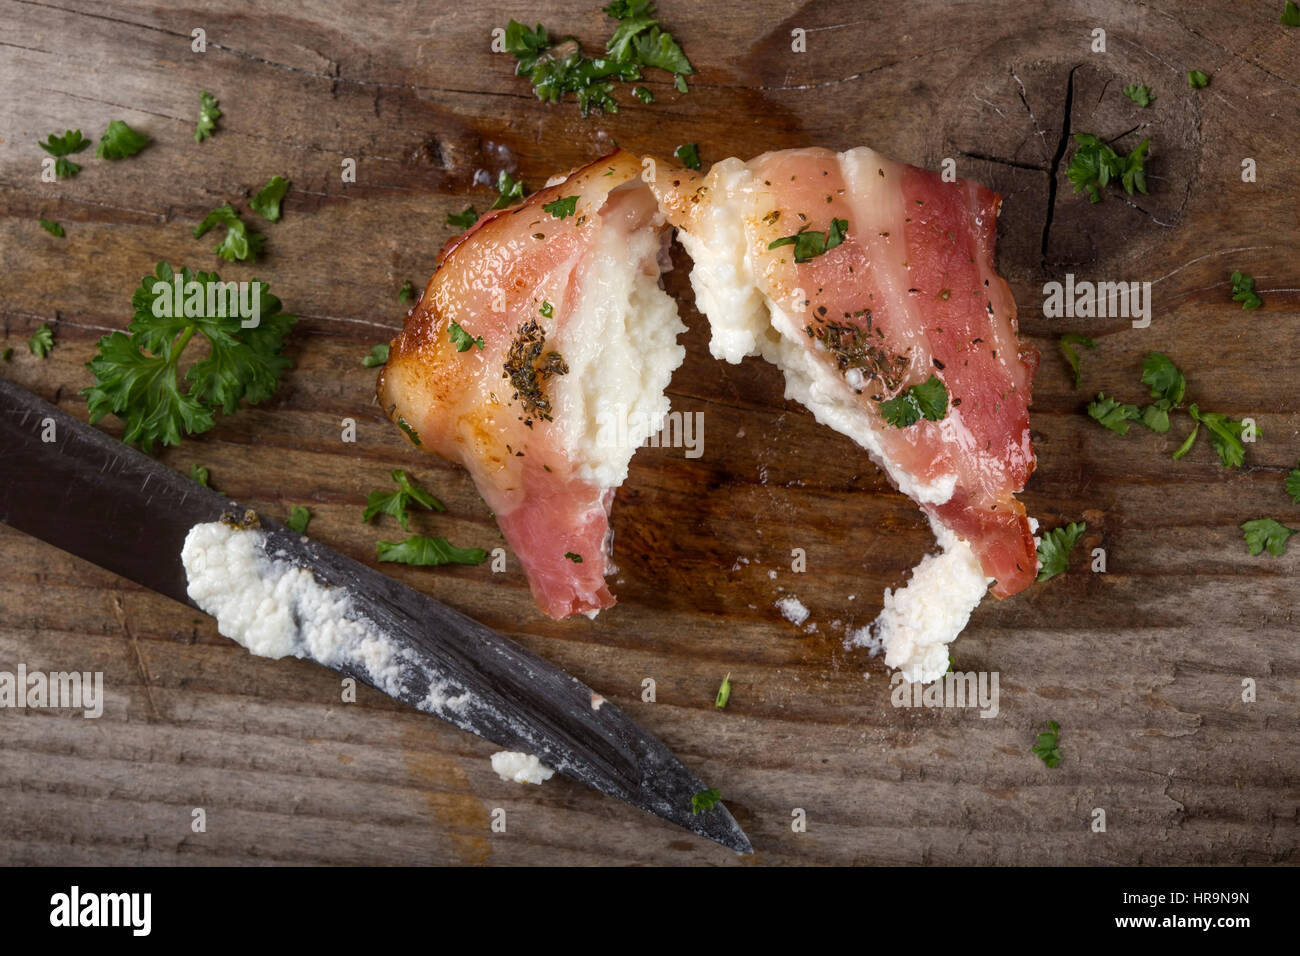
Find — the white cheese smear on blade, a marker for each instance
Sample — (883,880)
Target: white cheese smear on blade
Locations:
(516,767)
(277,609)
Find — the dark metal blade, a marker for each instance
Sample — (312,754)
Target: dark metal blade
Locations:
(89,494)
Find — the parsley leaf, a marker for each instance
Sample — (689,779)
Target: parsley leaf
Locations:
(1112,414)
(1068,340)
(575,558)
(1290,14)
(547,309)
(53,228)
(137,372)
(406,293)
(705,800)
(463,220)
(1054,549)
(509,190)
(808,245)
(240,242)
(1197,80)
(120,141)
(1140,94)
(562,208)
(62,146)
(1225,435)
(689,154)
(7,354)
(1047,745)
(643,94)
(1293,484)
(42,341)
(462,339)
(424,551)
(1095,164)
(200,474)
(1167,383)
(929,400)
(395,503)
(208,116)
(378,356)
(724,692)
(1264,533)
(267,202)
(1243,290)
(299,518)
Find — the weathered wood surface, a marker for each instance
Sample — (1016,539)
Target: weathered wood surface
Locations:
(1142,666)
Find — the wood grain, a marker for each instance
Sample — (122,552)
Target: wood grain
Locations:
(1142,666)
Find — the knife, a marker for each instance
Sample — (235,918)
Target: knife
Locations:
(90,495)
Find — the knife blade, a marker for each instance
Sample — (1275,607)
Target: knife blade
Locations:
(83,491)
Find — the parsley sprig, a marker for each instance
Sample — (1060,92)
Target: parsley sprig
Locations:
(138,372)
(425,551)
(1095,164)
(61,147)
(1054,549)
(396,503)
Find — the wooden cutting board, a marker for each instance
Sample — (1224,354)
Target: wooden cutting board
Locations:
(1142,666)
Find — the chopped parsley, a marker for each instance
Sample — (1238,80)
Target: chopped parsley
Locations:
(547,309)
(1113,414)
(1054,549)
(378,355)
(1068,341)
(705,800)
(200,474)
(1293,484)
(299,518)
(1095,164)
(1047,745)
(120,141)
(267,202)
(462,220)
(1197,80)
(53,228)
(42,341)
(1243,290)
(7,354)
(406,293)
(559,68)
(929,400)
(1140,94)
(509,191)
(63,146)
(575,558)
(724,692)
(1290,14)
(239,243)
(1264,533)
(208,116)
(689,154)
(411,433)
(396,503)
(463,340)
(562,207)
(808,244)
(137,372)
(424,551)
